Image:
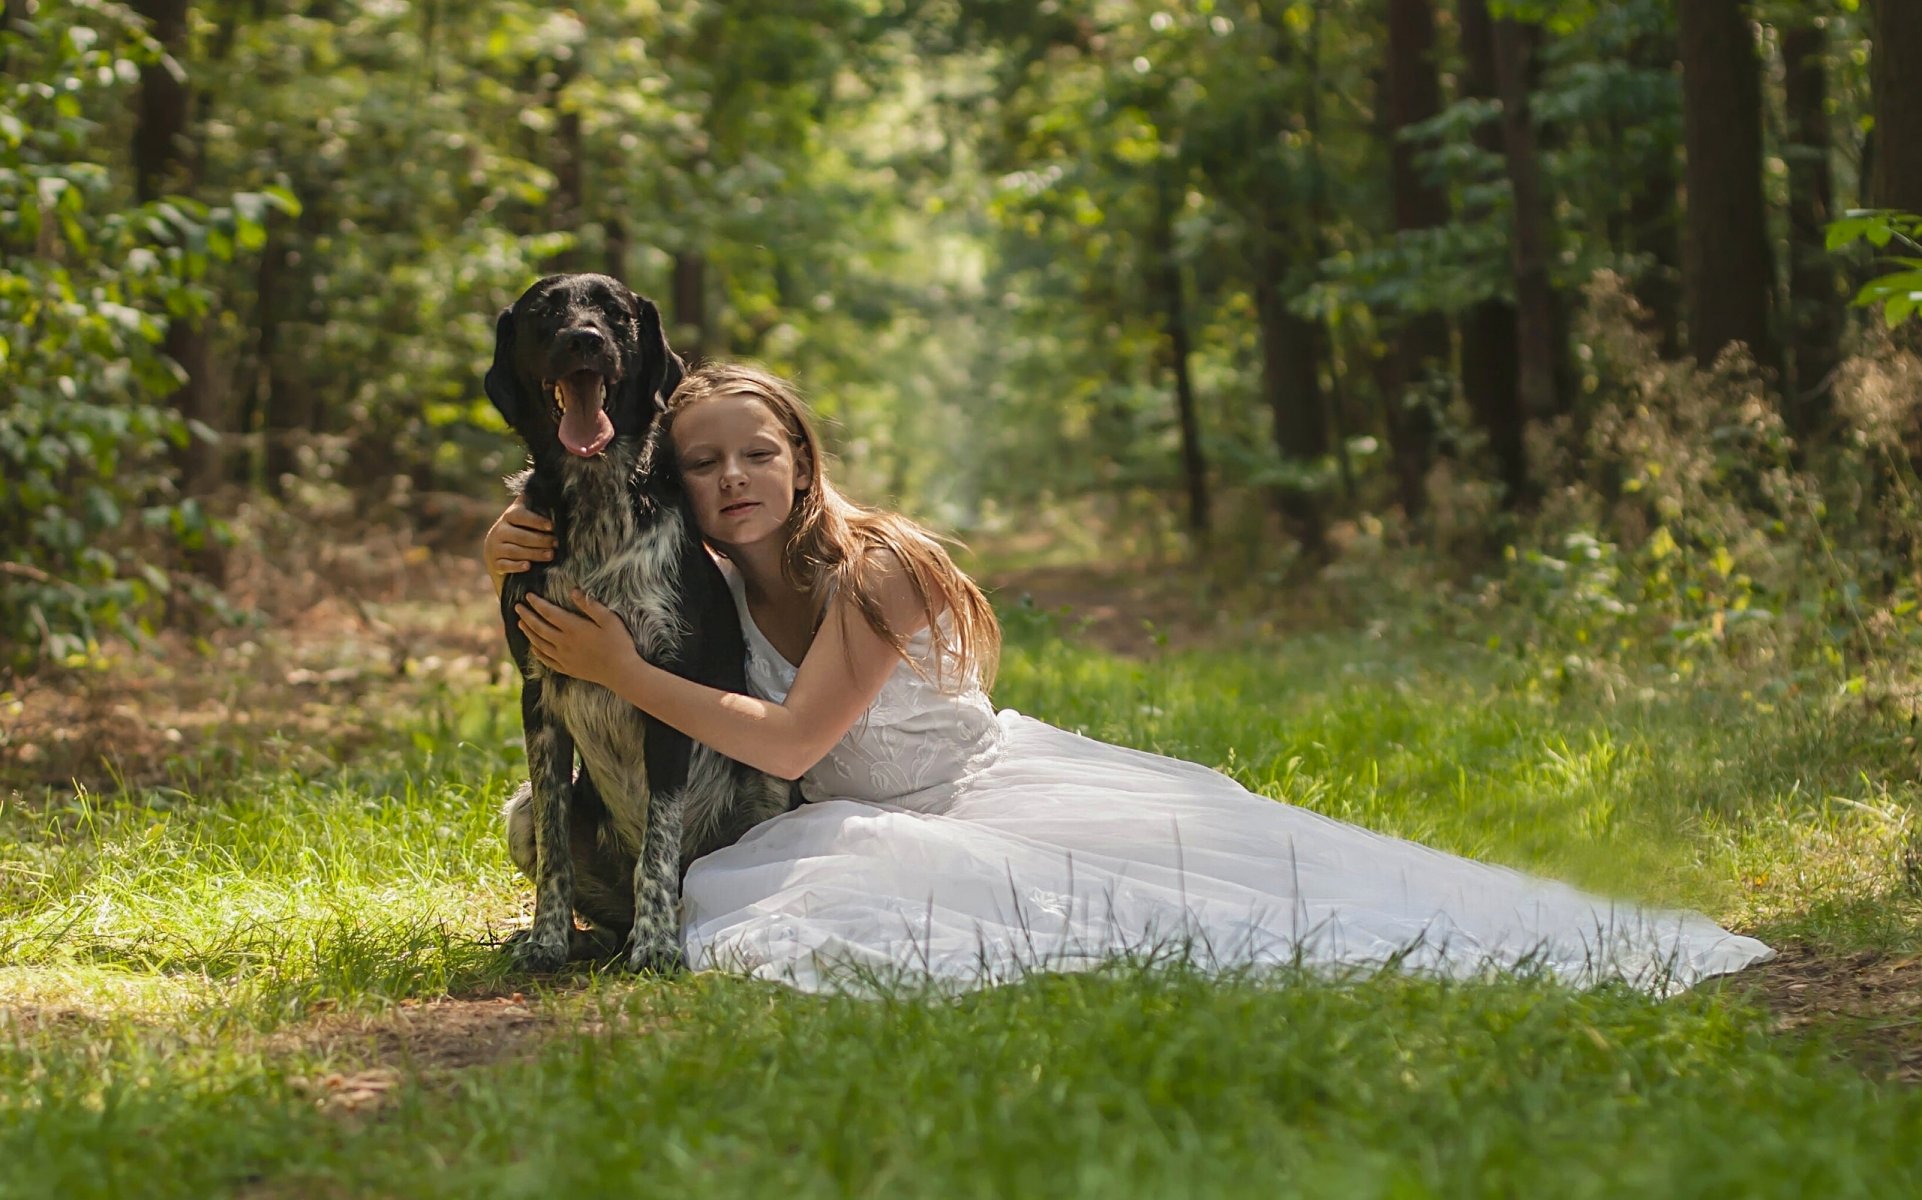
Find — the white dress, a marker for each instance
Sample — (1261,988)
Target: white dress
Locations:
(944,843)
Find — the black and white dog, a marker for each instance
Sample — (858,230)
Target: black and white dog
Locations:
(582,372)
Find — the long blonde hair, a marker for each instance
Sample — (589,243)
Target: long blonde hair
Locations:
(832,541)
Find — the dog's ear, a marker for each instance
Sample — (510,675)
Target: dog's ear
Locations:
(662,370)
(502,386)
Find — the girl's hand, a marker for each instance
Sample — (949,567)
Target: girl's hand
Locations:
(592,645)
(518,540)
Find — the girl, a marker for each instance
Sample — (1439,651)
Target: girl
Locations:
(944,841)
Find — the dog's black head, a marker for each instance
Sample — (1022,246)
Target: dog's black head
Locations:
(579,360)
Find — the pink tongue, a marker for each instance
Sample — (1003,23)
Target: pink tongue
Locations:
(585,429)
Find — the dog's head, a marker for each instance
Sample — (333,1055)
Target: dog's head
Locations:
(579,360)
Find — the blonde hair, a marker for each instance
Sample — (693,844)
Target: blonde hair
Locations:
(832,542)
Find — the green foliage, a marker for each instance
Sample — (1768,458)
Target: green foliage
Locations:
(1898,294)
(1687,532)
(87,284)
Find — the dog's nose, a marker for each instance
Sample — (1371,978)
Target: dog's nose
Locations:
(584,341)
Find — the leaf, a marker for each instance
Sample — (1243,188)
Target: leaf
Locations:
(283,200)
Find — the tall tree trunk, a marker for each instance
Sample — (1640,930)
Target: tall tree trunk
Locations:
(162,165)
(1814,330)
(690,335)
(1654,234)
(257,385)
(1728,264)
(1654,212)
(290,409)
(1535,299)
(1489,355)
(1421,345)
(1290,381)
(1167,274)
(615,249)
(567,207)
(1332,404)
(1895,76)
(1291,346)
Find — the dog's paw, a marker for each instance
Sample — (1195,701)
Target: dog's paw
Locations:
(595,945)
(536,954)
(656,956)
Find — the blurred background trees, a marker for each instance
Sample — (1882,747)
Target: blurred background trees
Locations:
(1246,279)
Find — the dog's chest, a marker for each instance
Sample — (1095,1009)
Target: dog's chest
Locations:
(628,560)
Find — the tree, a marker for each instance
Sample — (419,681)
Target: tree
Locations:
(1895,73)
(1728,271)
(1171,295)
(1489,356)
(1814,316)
(1261,155)
(1652,223)
(164,165)
(1537,332)
(1419,363)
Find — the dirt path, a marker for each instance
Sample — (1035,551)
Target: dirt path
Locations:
(1869,1001)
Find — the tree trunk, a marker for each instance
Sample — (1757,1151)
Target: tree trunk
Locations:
(162,165)
(1728,264)
(256,387)
(1895,75)
(1421,346)
(282,402)
(1535,299)
(1653,234)
(160,131)
(1489,355)
(567,207)
(1336,421)
(1290,381)
(1654,218)
(690,334)
(1814,330)
(1291,346)
(1167,274)
(615,249)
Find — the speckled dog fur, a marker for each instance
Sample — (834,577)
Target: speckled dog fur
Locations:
(613,839)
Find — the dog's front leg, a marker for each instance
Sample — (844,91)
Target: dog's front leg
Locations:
(655,943)
(550,769)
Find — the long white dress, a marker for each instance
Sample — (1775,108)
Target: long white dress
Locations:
(945,843)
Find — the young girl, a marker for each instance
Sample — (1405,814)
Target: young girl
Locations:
(945,841)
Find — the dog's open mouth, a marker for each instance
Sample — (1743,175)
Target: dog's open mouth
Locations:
(581,399)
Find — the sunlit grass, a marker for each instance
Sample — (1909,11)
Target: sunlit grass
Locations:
(162,951)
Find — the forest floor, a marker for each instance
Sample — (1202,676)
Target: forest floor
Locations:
(254,870)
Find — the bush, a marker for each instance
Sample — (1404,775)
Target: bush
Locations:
(1684,527)
(89,516)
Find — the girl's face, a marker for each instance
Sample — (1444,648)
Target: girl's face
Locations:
(740,469)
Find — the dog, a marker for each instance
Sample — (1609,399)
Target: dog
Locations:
(582,373)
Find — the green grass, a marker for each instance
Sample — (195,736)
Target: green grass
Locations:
(169,954)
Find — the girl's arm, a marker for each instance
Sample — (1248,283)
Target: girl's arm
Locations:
(842,674)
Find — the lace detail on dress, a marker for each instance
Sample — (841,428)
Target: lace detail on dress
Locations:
(914,737)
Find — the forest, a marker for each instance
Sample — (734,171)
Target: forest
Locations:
(1225,280)
(1495,423)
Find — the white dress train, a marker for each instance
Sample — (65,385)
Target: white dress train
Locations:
(943,842)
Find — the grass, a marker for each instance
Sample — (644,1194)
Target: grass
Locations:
(200,980)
